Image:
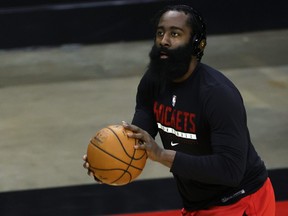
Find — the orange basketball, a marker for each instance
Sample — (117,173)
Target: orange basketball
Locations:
(113,158)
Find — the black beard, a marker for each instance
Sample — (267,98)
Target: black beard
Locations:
(172,68)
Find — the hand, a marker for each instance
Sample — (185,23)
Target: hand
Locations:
(90,172)
(146,142)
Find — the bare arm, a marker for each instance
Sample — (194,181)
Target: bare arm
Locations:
(167,157)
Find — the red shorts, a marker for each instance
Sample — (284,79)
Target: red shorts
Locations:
(260,203)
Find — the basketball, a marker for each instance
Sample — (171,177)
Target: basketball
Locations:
(112,157)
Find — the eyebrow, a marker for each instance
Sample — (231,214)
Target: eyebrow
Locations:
(172,28)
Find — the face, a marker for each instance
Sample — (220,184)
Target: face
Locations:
(171,54)
(172,31)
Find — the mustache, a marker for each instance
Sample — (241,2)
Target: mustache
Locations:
(165,50)
(157,51)
(173,54)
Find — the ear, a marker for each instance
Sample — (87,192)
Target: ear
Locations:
(202,44)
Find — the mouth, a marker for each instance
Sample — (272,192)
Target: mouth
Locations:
(163,55)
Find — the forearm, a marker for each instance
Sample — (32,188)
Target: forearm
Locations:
(210,169)
(166,157)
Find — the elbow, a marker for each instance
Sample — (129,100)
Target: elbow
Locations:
(234,181)
(234,175)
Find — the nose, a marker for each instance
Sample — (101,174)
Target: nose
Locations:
(165,41)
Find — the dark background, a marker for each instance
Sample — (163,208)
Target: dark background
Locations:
(26,23)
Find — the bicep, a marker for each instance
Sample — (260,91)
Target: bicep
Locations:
(229,133)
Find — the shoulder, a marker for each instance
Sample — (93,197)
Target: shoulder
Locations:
(215,82)
(213,77)
(216,90)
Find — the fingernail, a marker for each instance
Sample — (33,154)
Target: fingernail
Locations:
(124,123)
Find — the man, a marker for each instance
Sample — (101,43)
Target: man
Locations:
(202,123)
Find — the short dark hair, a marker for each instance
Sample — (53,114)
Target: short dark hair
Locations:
(195,21)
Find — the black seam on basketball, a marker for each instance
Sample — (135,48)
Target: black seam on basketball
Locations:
(119,141)
(131,159)
(114,181)
(114,156)
(134,158)
(125,171)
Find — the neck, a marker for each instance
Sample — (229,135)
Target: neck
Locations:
(192,66)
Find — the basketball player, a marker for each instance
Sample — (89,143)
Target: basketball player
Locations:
(201,119)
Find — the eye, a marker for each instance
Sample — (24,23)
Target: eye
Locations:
(175,34)
(159,33)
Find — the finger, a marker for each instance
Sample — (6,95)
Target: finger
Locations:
(131,127)
(125,124)
(90,173)
(86,165)
(140,145)
(141,142)
(84,157)
(138,136)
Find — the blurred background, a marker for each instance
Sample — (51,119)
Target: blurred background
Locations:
(69,67)
(57,22)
